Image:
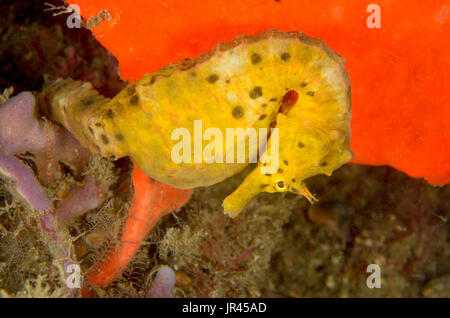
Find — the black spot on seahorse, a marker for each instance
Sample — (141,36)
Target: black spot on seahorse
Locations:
(119,137)
(262,117)
(256,58)
(91,130)
(212,78)
(286,162)
(237,112)
(105,139)
(256,92)
(303,84)
(310,93)
(110,113)
(134,100)
(300,144)
(88,101)
(131,90)
(285,56)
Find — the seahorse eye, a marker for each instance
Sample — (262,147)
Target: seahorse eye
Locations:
(281,185)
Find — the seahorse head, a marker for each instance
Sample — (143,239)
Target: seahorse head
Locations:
(304,149)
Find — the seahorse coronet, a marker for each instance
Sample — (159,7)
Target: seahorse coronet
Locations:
(238,84)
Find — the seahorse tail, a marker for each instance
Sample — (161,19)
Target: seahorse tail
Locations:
(74,105)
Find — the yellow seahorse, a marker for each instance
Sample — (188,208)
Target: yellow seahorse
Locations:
(239,84)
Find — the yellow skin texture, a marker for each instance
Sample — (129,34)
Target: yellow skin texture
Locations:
(232,86)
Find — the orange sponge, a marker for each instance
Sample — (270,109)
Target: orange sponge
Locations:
(399,72)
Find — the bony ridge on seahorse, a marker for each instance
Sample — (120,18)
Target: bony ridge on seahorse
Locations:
(239,84)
